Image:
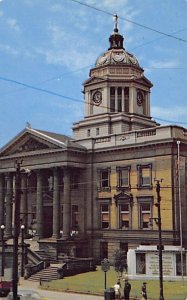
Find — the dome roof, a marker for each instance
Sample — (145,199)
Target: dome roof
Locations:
(116,54)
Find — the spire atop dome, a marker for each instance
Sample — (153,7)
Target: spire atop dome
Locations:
(116,39)
(116,23)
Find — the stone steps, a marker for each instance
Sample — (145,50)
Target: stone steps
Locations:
(47,274)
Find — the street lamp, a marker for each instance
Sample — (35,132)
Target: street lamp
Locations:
(160,246)
(3,249)
(16,230)
(22,250)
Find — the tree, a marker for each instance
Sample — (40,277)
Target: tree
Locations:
(120,261)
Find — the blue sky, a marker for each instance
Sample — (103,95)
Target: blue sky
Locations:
(48,46)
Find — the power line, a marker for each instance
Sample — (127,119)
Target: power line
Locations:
(130,21)
(74,99)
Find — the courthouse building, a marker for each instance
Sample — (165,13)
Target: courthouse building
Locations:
(93,193)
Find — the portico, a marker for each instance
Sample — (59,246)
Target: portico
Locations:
(49,187)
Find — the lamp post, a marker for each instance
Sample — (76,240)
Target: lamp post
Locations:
(160,246)
(22,250)
(3,250)
(16,230)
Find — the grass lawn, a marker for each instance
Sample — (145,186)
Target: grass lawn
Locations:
(93,282)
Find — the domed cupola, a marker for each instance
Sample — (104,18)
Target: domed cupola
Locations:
(116,53)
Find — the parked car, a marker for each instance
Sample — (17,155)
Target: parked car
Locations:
(25,295)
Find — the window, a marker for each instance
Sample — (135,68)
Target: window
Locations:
(97,131)
(145,214)
(112,99)
(144,176)
(104,179)
(119,91)
(104,216)
(123,179)
(74,217)
(126,97)
(88,132)
(140,263)
(124,216)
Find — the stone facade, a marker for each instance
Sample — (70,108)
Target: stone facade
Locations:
(94,193)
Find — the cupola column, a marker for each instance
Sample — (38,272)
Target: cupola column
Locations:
(123,100)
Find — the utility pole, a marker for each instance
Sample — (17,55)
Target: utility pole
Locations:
(160,246)
(16,230)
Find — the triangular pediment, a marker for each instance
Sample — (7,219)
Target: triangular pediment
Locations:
(123,196)
(94,80)
(29,141)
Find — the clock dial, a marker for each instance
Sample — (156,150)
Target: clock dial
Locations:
(140,98)
(97,97)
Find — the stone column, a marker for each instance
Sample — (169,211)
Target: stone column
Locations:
(9,201)
(66,204)
(2,199)
(39,206)
(56,204)
(23,207)
(123,100)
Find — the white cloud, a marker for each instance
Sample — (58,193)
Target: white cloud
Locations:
(8,49)
(12,23)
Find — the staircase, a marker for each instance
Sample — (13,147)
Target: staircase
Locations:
(48,274)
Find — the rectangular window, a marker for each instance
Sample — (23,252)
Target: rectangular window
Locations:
(145,214)
(112,99)
(119,91)
(123,179)
(104,179)
(97,131)
(126,98)
(88,132)
(144,176)
(140,263)
(105,216)
(124,216)
(74,217)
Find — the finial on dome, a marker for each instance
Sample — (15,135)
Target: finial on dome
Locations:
(116,39)
(115,17)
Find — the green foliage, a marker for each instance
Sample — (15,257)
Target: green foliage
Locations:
(120,261)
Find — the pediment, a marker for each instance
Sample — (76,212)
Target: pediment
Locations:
(94,80)
(123,196)
(28,142)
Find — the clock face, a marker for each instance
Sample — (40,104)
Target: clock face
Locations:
(97,97)
(140,98)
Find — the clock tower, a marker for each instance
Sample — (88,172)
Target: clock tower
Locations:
(117,94)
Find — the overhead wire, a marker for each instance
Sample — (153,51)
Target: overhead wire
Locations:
(130,21)
(74,99)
